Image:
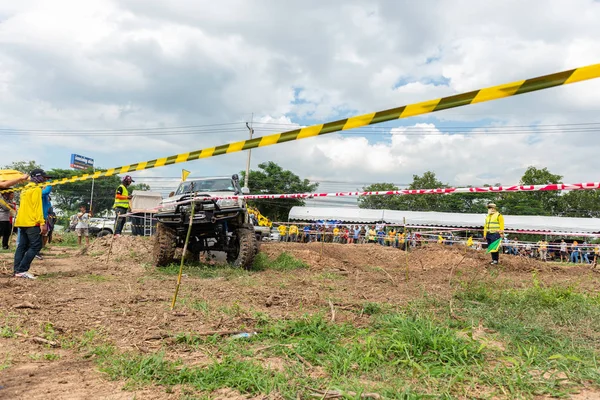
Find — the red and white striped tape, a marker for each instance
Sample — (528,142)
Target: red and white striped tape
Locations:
(485,189)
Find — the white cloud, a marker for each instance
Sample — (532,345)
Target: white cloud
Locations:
(114,64)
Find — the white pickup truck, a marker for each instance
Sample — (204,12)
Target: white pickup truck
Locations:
(106,226)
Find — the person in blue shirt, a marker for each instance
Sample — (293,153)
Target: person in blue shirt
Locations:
(46,205)
(356,234)
(380,236)
(306,230)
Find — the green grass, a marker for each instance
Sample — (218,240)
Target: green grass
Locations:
(497,342)
(539,341)
(547,330)
(66,239)
(9,326)
(391,352)
(6,363)
(203,271)
(94,278)
(284,262)
(51,356)
(8,331)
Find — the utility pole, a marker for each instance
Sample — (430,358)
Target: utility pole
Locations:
(249,151)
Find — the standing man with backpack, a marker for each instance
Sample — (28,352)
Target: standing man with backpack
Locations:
(121,205)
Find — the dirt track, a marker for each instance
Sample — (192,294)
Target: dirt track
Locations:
(128,301)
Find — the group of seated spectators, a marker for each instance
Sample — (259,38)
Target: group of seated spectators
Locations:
(397,236)
(348,234)
(562,251)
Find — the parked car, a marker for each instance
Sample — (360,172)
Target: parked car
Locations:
(274,235)
(105,226)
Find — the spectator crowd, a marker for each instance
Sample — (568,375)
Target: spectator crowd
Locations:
(398,237)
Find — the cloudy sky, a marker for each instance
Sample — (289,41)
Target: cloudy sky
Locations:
(124,81)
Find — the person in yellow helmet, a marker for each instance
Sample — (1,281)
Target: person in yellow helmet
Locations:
(493,229)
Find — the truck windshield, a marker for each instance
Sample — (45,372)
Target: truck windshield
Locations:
(208,185)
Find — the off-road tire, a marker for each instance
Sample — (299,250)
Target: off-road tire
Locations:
(257,244)
(104,232)
(247,248)
(163,252)
(192,256)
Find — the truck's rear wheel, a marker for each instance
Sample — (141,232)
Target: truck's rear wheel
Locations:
(244,243)
(164,245)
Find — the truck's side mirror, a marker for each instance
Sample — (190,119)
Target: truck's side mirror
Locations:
(245,190)
(171,194)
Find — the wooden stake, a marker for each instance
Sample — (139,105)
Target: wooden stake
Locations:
(112,240)
(185,245)
(406,246)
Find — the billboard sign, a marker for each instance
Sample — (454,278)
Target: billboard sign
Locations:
(81,162)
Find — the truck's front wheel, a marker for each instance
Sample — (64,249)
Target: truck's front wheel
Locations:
(164,245)
(244,243)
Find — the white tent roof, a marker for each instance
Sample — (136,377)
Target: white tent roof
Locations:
(439,219)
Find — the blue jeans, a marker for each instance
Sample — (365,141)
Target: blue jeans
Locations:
(29,245)
(575,257)
(584,257)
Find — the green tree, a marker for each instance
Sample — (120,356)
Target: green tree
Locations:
(23,166)
(460,202)
(69,197)
(580,203)
(379,202)
(533,203)
(272,179)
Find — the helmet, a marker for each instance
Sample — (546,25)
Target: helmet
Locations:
(127,179)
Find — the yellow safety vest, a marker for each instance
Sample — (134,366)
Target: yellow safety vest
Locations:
(491,222)
(119,202)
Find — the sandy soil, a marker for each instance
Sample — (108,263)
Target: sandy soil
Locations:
(123,297)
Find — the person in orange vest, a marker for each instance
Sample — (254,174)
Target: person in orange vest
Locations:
(121,205)
(493,228)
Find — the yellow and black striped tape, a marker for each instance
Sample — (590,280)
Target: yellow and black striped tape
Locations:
(411,110)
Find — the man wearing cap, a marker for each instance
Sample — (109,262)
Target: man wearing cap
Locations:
(31,224)
(493,228)
(121,205)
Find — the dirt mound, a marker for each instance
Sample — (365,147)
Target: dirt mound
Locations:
(343,256)
(127,248)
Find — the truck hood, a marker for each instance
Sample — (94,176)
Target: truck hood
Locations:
(169,203)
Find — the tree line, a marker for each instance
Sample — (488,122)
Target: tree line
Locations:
(69,197)
(575,203)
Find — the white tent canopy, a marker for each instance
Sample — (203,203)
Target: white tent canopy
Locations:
(439,219)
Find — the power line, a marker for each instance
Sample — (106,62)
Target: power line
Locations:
(121,129)
(584,127)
